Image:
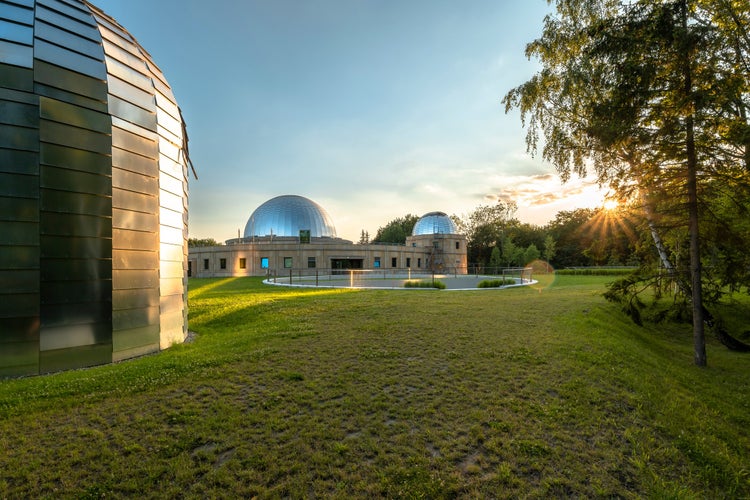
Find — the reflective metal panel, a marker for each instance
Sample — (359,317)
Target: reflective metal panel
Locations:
(75,159)
(18,33)
(56,19)
(20,233)
(134,240)
(19,162)
(83,86)
(127,219)
(84,226)
(85,65)
(126,160)
(25,139)
(76,203)
(67,246)
(22,13)
(72,41)
(76,12)
(134,143)
(17,113)
(13,77)
(16,54)
(135,182)
(75,269)
(21,186)
(129,199)
(65,135)
(18,209)
(76,116)
(75,181)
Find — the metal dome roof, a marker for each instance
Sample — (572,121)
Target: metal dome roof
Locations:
(287,215)
(434,223)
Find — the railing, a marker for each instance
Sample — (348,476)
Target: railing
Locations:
(354,277)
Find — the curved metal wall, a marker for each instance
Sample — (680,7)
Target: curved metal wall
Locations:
(93,192)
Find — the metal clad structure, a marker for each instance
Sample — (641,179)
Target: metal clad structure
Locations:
(288,214)
(434,223)
(93,192)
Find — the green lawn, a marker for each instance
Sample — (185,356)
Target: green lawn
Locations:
(545,391)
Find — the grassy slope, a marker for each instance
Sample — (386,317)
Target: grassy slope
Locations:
(526,392)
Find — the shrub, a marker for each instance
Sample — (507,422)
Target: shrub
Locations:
(424,284)
(496,283)
(596,271)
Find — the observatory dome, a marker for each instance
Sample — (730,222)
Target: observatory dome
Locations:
(287,215)
(434,223)
(93,169)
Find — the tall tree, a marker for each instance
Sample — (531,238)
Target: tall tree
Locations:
(396,230)
(644,92)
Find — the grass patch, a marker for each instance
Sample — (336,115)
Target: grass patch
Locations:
(544,391)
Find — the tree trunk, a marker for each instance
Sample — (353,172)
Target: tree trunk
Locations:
(699,340)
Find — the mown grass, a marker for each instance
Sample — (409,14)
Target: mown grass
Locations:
(545,391)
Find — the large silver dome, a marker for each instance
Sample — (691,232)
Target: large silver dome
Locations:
(287,215)
(434,223)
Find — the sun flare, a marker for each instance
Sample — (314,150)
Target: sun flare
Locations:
(610,204)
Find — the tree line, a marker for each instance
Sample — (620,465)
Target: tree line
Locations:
(497,238)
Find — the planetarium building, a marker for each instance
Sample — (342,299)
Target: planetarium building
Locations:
(293,234)
(93,192)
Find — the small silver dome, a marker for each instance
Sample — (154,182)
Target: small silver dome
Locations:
(434,223)
(287,215)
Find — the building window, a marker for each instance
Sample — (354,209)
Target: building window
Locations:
(419,262)
(264,262)
(205,263)
(223,263)
(311,262)
(408,262)
(190,268)
(376,264)
(458,245)
(287,262)
(243,263)
(393,261)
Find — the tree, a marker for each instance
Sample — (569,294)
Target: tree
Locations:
(495,261)
(549,249)
(645,92)
(531,254)
(364,238)
(485,227)
(396,230)
(510,251)
(202,242)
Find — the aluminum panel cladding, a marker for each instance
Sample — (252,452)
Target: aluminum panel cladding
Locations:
(87,119)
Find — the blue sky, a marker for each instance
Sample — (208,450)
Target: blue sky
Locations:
(372,108)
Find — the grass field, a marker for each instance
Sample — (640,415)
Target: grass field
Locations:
(537,392)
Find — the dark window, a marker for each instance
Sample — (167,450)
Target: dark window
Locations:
(393,262)
(243,263)
(376,264)
(288,262)
(419,262)
(190,268)
(408,262)
(205,263)
(223,263)
(458,245)
(311,262)
(264,262)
